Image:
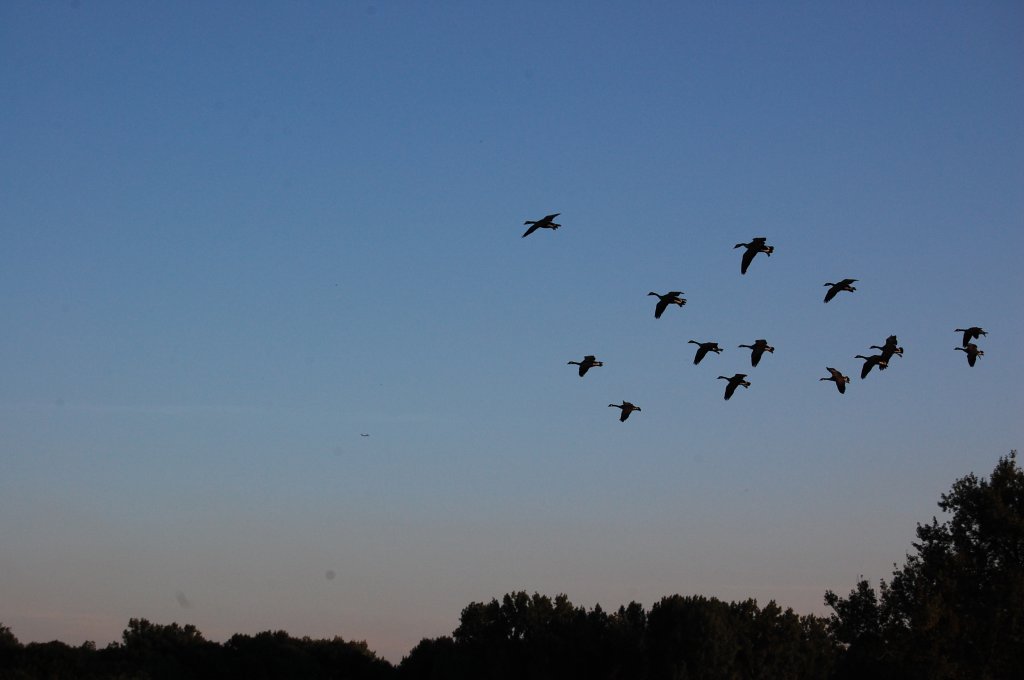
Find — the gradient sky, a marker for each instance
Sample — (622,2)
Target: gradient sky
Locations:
(238,235)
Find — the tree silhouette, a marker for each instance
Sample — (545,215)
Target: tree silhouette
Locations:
(955,610)
(956,607)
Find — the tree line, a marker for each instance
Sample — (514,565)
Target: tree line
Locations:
(954,610)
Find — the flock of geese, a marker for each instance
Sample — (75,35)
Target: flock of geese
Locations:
(886,351)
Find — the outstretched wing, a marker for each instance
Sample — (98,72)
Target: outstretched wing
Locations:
(701,353)
(839,379)
(730,388)
(661,307)
(533,227)
(748,258)
(831,292)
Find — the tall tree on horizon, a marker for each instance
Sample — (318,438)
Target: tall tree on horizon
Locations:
(956,607)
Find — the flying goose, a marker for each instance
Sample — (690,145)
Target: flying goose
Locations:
(588,362)
(757,349)
(889,349)
(627,408)
(757,245)
(703,348)
(670,298)
(972,352)
(870,362)
(839,287)
(545,222)
(734,382)
(837,377)
(972,333)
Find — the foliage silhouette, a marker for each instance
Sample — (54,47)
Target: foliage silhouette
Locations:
(954,610)
(956,607)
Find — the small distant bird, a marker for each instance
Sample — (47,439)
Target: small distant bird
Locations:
(545,222)
(837,377)
(889,349)
(757,245)
(734,382)
(670,298)
(589,361)
(703,348)
(972,333)
(757,349)
(870,362)
(839,287)
(972,352)
(363,434)
(627,408)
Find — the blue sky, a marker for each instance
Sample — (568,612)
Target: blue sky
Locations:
(236,237)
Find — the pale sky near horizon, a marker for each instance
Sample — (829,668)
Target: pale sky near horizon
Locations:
(237,236)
